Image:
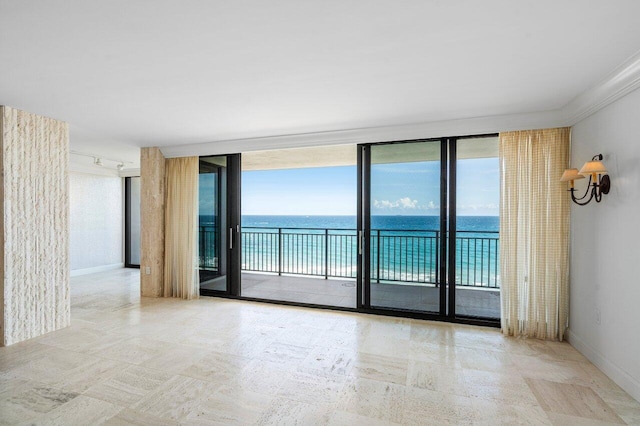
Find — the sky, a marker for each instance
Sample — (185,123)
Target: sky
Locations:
(397,189)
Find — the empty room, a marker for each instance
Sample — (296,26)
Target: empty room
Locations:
(320,213)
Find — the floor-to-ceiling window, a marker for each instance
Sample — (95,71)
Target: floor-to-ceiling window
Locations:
(402,227)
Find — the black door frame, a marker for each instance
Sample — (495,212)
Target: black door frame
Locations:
(127,223)
(363,298)
(233,241)
(445,274)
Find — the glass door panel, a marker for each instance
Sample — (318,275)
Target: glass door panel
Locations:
(212,234)
(477,248)
(404,229)
(219,224)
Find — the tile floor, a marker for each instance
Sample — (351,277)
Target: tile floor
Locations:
(127,360)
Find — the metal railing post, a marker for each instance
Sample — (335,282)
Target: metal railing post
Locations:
(378,255)
(279,251)
(326,254)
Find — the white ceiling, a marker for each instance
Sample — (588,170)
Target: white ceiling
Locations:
(131,73)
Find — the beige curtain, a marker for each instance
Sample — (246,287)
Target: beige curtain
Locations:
(181,219)
(534,233)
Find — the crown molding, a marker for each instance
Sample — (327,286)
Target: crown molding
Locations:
(618,83)
(129,173)
(466,126)
(621,81)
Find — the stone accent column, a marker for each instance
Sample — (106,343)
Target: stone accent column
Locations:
(152,193)
(34,230)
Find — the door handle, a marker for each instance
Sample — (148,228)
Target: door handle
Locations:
(360,241)
(230,238)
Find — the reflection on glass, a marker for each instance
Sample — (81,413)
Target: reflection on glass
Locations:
(212,233)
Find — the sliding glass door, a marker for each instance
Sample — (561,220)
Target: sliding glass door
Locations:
(428,227)
(219,224)
(403,226)
(476,226)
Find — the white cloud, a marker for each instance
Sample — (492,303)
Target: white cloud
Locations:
(402,203)
(407,203)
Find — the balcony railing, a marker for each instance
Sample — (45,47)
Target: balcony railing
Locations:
(407,256)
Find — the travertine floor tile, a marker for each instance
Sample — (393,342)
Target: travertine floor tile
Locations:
(372,398)
(217,367)
(341,418)
(146,361)
(328,360)
(382,368)
(435,377)
(423,406)
(565,420)
(129,386)
(31,401)
(176,398)
(572,400)
(489,413)
(82,410)
(311,388)
(283,411)
(228,406)
(129,417)
(508,389)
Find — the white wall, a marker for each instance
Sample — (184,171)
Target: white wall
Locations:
(605,246)
(96,222)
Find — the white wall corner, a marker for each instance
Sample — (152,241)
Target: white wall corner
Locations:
(623,379)
(102,268)
(618,83)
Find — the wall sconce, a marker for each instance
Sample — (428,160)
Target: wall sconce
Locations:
(599,182)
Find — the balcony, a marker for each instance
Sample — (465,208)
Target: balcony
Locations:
(286,264)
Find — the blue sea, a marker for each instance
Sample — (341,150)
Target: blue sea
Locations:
(403,248)
(399,223)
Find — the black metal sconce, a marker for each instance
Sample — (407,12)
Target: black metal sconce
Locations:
(599,182)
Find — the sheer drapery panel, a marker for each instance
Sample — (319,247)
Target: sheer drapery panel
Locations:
(181,228)
(534,233)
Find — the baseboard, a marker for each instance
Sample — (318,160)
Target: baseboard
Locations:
(615,373)
(102,268)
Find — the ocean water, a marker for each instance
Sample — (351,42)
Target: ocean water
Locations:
(403,248)
(398,223)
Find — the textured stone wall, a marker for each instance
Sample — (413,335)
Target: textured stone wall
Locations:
(151,222)
(35,225)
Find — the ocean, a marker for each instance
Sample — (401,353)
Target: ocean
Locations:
(403,248)
(398,223)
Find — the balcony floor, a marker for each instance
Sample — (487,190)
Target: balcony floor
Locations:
(342,293)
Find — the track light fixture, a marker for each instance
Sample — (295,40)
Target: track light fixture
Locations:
(599,182)
(98,160)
